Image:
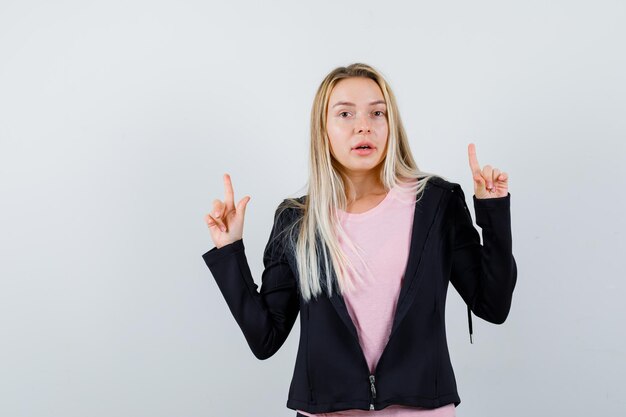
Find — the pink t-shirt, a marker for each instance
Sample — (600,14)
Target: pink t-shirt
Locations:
(384,234)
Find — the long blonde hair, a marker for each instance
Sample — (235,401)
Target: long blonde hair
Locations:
(321,262)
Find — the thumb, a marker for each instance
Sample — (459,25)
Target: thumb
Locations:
(243,203)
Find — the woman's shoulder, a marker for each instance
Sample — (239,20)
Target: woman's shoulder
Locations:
(441,182)
(289,209)
(294,203)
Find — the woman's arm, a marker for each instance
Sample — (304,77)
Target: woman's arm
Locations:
(484,275)
(265,318)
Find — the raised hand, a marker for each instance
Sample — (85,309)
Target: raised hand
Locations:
(488,182)
(226,221)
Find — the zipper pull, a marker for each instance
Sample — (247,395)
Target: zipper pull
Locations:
(373,388)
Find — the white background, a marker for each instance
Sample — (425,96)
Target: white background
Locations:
(119,118)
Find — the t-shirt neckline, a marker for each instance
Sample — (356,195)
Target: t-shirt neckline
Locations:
(369,213)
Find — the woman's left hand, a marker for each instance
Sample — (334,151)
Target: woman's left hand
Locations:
(488,182)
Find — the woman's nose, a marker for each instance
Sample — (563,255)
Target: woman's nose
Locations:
(363,125)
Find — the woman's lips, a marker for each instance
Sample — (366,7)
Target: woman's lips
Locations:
(363,152)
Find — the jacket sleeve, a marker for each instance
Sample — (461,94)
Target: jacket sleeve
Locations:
(265,317)
(484,275)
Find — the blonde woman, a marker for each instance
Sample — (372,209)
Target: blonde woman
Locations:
(365,258)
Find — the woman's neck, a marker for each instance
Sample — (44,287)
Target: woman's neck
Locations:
(364,187)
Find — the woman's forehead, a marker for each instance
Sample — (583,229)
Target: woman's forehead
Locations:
(356,89)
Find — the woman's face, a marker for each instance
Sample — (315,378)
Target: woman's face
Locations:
(357,113)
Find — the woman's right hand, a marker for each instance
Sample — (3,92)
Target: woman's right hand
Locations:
(226,221)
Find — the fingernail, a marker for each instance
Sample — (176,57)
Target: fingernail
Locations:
(216,214)
(222,228)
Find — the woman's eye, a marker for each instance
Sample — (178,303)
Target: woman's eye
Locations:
(382,113)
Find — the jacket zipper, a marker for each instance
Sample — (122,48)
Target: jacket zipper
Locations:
(371,378)
(373,389)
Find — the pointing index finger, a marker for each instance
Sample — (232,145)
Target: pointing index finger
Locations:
(473,161)
(229,194)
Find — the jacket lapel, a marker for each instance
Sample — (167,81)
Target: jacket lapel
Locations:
(425,212)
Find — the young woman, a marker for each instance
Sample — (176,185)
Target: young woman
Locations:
(365,258)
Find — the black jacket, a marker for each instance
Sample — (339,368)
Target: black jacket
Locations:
(331,372)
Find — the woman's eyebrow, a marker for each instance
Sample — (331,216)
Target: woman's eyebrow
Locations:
(347,103)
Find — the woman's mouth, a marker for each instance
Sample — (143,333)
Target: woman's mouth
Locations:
(363,150)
